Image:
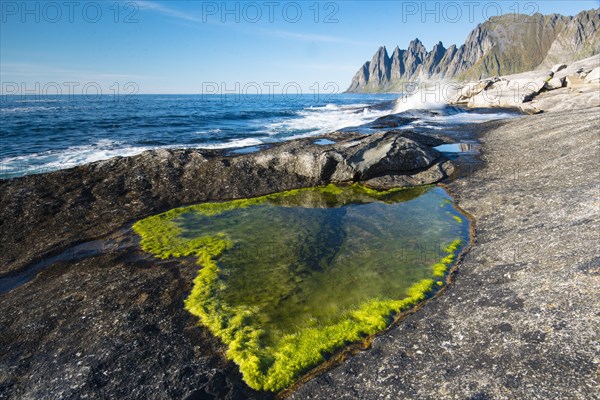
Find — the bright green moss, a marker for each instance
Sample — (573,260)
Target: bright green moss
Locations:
(440,269)
(274,368)
(378,194)
(454,246)
(334,274)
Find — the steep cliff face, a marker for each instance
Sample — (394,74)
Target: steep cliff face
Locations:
(510,44)
(579,39)
(502,45)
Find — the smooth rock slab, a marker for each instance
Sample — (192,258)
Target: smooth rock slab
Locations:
(521,320)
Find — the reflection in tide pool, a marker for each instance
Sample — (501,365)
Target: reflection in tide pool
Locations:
(456,148)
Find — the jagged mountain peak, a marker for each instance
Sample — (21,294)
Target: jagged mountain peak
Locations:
(381,52)
(381,55)
(505,44)
(416,45)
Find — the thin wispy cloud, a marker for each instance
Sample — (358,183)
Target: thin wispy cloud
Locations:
(308,37)
(12,70)
(279,33)
(327,67)
(168,11)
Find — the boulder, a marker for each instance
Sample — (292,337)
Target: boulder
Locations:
(434,173)
(389,153)
(593,76)
(564,99)
(558,67)
(471,89)
(345,161)
(529,108)
(512,91)
(528,90)
(391,121)
(507,94)
(556,83)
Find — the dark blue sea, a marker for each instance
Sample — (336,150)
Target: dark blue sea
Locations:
(39,134)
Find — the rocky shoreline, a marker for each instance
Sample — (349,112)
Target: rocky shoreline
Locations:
(516,323)
(110,319)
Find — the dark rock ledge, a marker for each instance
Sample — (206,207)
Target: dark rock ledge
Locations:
(49,212)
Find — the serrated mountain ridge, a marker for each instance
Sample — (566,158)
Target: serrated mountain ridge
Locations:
(502,45)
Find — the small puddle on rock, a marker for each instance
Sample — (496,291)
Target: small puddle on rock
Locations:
(245,150)
(457,148)
(79,252)
(323,142)
(289,278)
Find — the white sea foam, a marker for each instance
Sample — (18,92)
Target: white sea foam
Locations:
(468,118)
(232,143)
(216,130)
(434,99)
(17,110)
(322,120)
(422,99)
(60,159)
(331,106)
(104,149)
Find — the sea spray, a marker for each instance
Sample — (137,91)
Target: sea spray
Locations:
(422,98)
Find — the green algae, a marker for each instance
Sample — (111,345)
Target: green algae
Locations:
(288,279)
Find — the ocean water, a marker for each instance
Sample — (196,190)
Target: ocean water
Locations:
(41,134)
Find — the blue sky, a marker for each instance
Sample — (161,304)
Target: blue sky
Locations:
(194,46)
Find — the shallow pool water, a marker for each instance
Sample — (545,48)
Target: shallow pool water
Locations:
(454,148)
(289,278)
(323,142)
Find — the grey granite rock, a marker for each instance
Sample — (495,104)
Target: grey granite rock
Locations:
(556,83)
(558,67)
(534,91)
(593,76)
